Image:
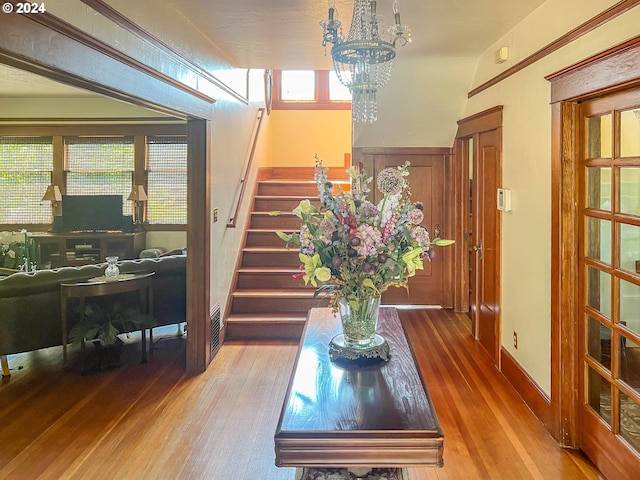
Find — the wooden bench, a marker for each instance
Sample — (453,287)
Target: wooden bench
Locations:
(356,418)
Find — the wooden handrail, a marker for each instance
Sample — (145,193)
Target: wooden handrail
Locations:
(245,168)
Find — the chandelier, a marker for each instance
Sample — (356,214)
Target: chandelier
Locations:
(364,61)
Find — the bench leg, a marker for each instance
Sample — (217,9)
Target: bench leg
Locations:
(5,366)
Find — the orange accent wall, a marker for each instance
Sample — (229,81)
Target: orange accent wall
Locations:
(298,135)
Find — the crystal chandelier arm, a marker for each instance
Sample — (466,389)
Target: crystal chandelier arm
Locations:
(400,34)
(332,28)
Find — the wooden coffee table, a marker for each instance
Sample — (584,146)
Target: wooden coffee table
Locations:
(356,417)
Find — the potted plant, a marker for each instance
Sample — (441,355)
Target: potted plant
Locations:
(101,326)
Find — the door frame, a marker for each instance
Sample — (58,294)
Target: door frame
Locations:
(471,127)
(613,70)
(74,62)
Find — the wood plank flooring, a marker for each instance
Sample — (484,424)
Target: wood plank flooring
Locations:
(151,421)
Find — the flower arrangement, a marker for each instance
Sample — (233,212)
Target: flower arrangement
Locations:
(354,250)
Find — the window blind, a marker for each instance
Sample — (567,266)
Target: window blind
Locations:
(100,166)
(26,164)
(167,179)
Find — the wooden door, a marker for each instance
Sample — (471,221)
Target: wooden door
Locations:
(428,180)
(485,241)
(608,178)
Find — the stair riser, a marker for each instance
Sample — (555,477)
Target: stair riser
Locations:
(271,259)
(264,239)
(280,204)
(274,305)
(270,281)
(280,222)
(309,190)
(263,331)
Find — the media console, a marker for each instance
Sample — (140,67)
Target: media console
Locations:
(55,250)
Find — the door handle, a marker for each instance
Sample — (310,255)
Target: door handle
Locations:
(436,230)
(478,248)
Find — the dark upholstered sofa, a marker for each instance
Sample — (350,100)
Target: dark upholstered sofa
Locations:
(30,302)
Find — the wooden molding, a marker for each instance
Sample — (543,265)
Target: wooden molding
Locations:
(403,151)
(58,25)
(92,129)
(588,26)
(198,354)
(35,47)
(484,121)
(579,80)
(126,24)
(535,398)
(85,120)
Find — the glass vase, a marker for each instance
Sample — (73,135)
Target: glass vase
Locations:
(112,271)
(359,321)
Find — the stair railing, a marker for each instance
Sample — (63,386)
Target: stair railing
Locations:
(237,199)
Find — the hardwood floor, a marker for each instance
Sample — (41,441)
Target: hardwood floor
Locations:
(152,422)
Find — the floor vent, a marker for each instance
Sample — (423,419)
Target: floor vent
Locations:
(214,317)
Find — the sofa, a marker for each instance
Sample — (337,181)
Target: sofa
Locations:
(30,302)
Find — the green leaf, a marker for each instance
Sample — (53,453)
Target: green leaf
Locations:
(368,283)
(283,236)
(275,213)
(442,242)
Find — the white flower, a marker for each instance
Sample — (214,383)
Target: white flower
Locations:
(390,181)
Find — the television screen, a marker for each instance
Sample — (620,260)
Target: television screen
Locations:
(91,213)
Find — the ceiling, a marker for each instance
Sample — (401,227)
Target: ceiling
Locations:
(287,34)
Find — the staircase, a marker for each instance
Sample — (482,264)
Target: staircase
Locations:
(267,303)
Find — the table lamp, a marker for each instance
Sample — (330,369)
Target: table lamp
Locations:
(138,196)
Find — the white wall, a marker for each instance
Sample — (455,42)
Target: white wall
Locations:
(526,230)
(419,107)
(231,134)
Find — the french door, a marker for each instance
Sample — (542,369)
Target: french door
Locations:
(609,279)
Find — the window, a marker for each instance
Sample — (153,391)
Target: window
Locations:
(100,166)
(26,165)
(337,91)
(167,179)
(309,90)
(81,162)
(298,85)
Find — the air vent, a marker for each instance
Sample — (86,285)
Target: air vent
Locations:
(214,318)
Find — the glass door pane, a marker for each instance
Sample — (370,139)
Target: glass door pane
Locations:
(630,133)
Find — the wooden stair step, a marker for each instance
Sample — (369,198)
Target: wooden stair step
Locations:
(273,293)
(270,257)
(274,301)
(288,187)
(269,278)
(276,222)
(265,237)
(265,326)
(284,203)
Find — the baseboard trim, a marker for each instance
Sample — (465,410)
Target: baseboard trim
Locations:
(536,399)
